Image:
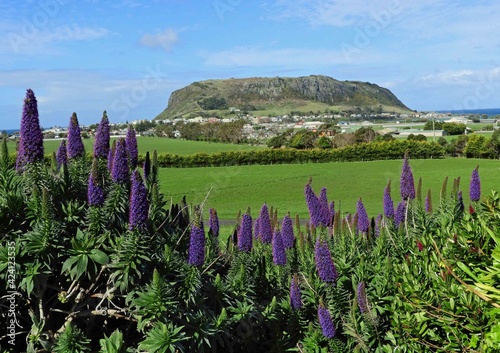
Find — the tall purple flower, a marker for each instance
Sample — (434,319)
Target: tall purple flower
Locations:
(331,212)
(313,205)
(119,172)
(62,154)
(287,232)
(362,300)
(326,322)
(295,295)
(388,203)
(111,156)
(363,221)
(31,137)
(407,184)
(95,191)
(475,186)
(131,142)
(102,137)
(265,228)
(139,206)
(428,202)
(196,254)
(324,262)
(399,216)
(324,208)
(279,254)
(75,143)
(245,233)
(213,222)
(256,227)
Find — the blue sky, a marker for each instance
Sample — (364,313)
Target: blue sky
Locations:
(127,56)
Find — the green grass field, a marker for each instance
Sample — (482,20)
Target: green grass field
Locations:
(282,186)
(162,145)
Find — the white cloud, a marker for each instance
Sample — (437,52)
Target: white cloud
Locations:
(164,39)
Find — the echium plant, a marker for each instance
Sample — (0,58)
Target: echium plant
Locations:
(428,202)
(139,206)
(120,169)
(95,191)
(326,322)
(475,186)
(313,205)
(295,294)
(102,138)
(265,227)
(111,156)
(213,221)
(400,215)
(287,232)
(325,219)
(363,221)
(62,154)
(388,203)
(279,254)
(245,237)
(324,262)
(75,144)
(362,300)
(131,143)
(196,252)
(31,137)
(407,184)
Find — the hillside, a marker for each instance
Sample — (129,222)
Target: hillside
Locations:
(279,95)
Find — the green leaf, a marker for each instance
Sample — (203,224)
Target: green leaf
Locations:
(99,256)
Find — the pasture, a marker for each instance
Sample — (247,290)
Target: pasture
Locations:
(230,189)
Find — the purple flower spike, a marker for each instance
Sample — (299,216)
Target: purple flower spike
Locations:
(265,228)
(363,221)
(119,172)
(313,205)
(245,233)
(111,156)
(325,321)
(139,206)
(388,203)
(256,227)
(475,186)
(407,184)
(75,143)
(214,222)
(131,143)
(428,202)
(324,208)
(332,212)
(102,137)
(62,154)
(279,254)
(362,301)
(95,191)
(399,216)
(31,137)
(324,263)
(287,232)
(196,255)
(378,224)
(295,295)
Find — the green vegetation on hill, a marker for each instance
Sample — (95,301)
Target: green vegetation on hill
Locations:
(279,95)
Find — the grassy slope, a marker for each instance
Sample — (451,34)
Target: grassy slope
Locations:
(281,186)
(162,145)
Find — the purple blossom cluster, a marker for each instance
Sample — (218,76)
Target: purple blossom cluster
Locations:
(265,227)
(378,224)
(111,156)
(324,262)
(428,202)
(62,154)
(313,205)
(326,322)
(388,203)
(196,253)
(279,254)
(363,221)
(95,191)
(131,143)
(102,138)
(213,222)
(325,219)
(475,186)
(245,233)
(139,206)
(75,144)
(295,295)
(120,170)
(407,184)
(287,232)
(31,137)
(400,215)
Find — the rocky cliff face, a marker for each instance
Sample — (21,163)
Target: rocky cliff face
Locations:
(263,93)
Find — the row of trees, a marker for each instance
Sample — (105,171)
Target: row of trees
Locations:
(230,132)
